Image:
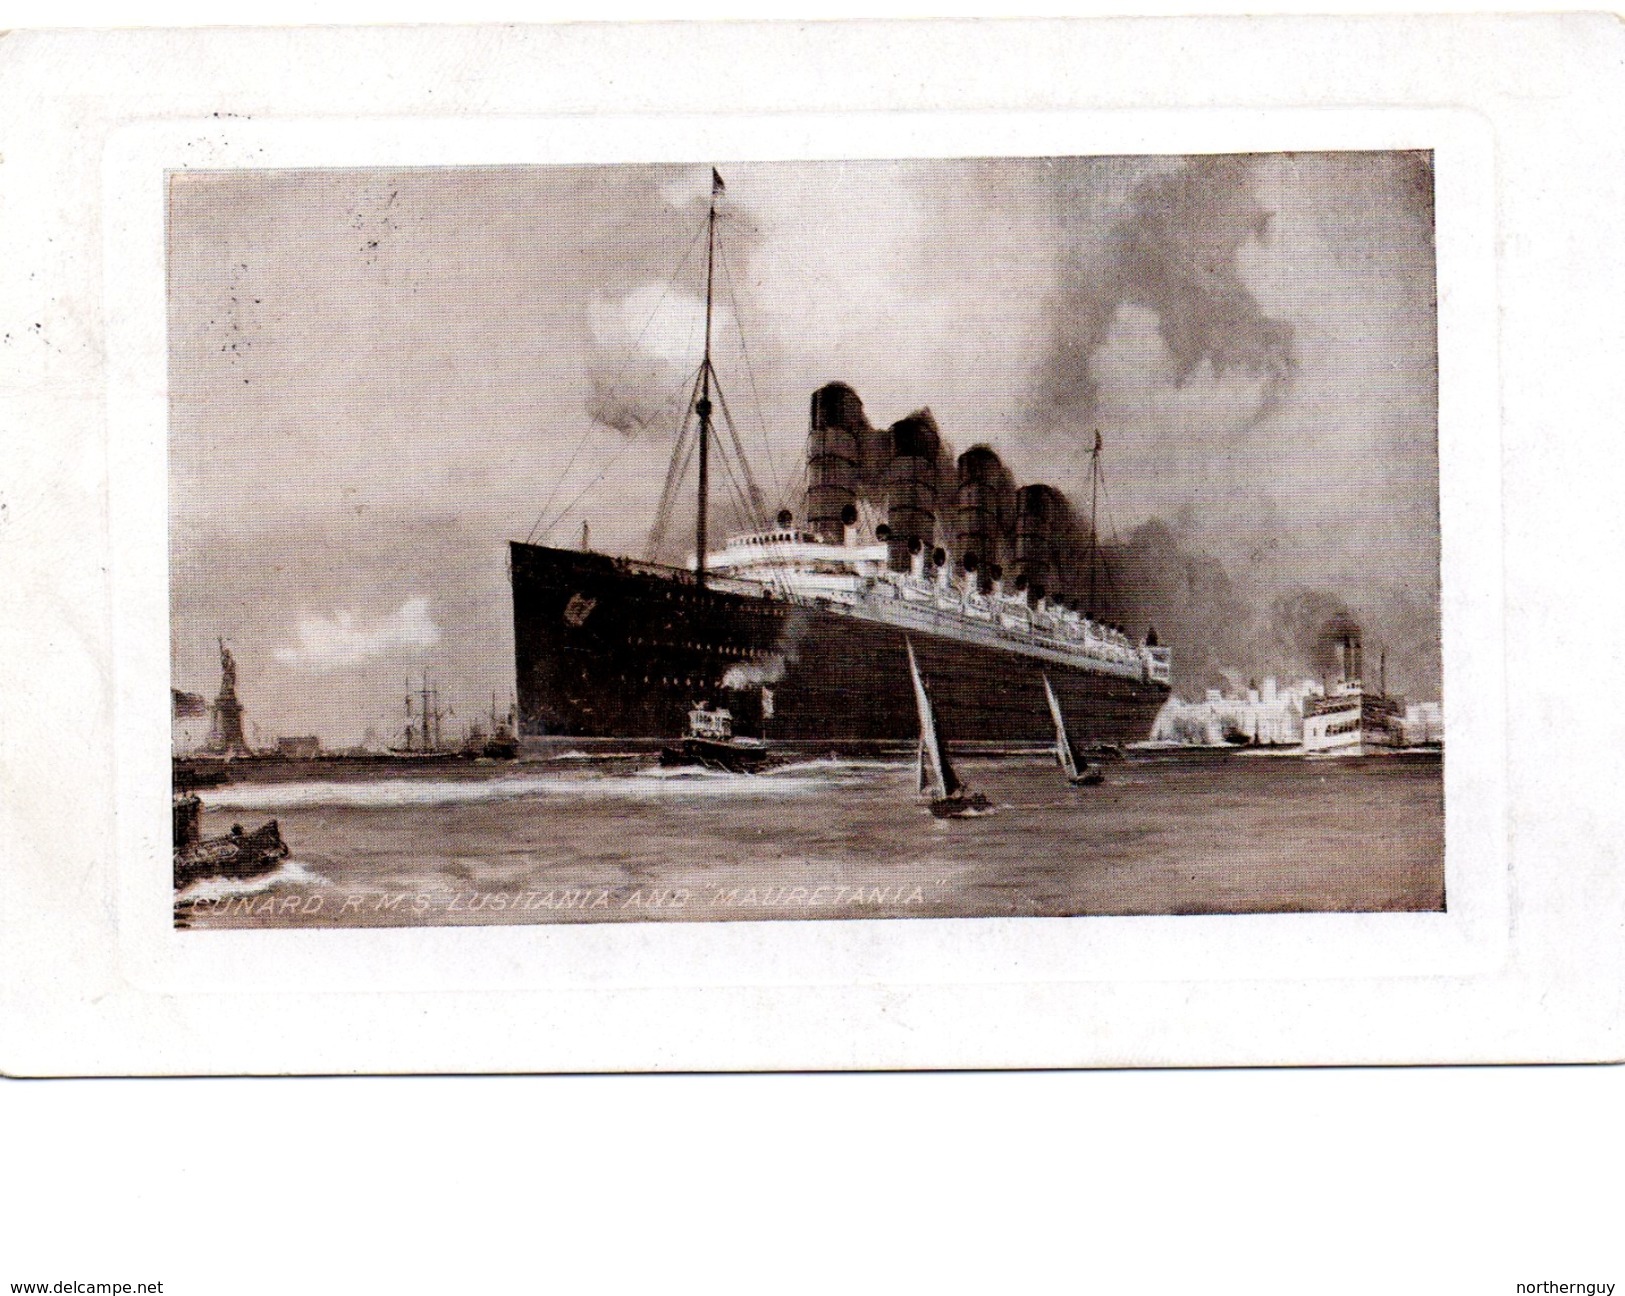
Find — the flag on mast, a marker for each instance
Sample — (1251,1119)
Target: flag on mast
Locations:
(716,182)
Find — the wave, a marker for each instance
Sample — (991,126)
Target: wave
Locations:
(837,765)
(400,793)
(289,871)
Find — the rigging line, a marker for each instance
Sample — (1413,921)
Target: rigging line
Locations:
(741,498)
(619,450)
(661,522)
(757,509)
(675,471)
(665,522)
(749,506)
(619,374)
(670,400)
(750,373)
(673,477)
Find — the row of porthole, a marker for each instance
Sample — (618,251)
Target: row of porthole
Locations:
(724,650)
(752,609)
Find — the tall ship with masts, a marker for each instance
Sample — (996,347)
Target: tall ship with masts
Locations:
(800,626)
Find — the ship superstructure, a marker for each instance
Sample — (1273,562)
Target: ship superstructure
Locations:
(801,629)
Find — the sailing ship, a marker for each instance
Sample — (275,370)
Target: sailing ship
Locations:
(422,736)
(788,623)
(1087,775)
(950,798)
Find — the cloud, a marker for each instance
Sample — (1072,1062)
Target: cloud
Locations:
(329,643)
(1176,252)
(646,349)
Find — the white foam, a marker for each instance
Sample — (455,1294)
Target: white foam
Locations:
(396,793)
(836,765)
(289,871)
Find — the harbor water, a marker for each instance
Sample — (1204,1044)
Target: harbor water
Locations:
(607,840)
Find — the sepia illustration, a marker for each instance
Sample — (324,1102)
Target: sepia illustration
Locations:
(949,538)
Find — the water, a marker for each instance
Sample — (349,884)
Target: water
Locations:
(622,840)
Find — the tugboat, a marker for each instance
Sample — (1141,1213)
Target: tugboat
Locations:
(710,743)
(236,855)
(1087,775)
(950,798)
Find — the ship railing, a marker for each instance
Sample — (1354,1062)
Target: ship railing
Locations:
(1011,621)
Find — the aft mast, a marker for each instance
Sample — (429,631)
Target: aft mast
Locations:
(702,407)
(1094,531)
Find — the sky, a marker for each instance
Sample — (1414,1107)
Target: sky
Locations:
(380,377)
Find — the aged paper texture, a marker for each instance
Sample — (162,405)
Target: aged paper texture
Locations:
(1043,570)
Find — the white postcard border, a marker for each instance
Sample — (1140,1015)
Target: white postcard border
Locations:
(1470,937)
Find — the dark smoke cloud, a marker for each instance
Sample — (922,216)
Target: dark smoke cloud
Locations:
(1304,628)
(1188,597)
(1174,253)
(1226,634)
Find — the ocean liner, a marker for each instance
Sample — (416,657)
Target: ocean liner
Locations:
(800,627)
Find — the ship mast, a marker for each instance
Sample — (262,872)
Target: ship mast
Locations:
(1094,532)
(702,407)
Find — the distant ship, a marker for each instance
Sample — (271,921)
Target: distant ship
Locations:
(500,743)
(1350,720)
(799,628)
(422,735)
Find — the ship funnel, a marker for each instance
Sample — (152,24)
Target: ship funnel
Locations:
(916,558)
(849,524)
(984,506)
(945,568)
(785,518)
(836,438)
(911,481)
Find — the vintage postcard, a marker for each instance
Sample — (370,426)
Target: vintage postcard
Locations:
(948,537)
(795,578)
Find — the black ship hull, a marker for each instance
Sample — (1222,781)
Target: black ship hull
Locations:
(607,648)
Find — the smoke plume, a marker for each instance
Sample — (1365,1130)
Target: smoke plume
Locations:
(1173,253)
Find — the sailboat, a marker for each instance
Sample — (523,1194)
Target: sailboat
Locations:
(950,798)
(1089,775)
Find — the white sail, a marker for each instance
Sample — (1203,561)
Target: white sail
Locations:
(931,762)
(1063,746)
